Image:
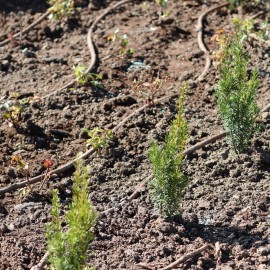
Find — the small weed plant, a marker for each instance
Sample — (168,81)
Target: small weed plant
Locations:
(84,77)
(236,93)
(98,137)
(61,8)
(169,183)
(11,111)
(67,248)
(123,41)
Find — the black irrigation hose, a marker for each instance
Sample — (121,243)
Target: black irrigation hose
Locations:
(201,42)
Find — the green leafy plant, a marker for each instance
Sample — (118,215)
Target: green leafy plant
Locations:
(124,41)
(11,111)
(236,93)
(67,248)
(98,137)
(168,186)
(84,77)
(61,8)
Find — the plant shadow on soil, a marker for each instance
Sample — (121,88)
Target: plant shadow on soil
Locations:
(225,235)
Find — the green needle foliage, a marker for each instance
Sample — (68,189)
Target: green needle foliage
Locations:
(169,183)
(236,93)
(67,249)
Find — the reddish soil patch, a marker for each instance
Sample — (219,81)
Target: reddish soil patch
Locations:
(227,200)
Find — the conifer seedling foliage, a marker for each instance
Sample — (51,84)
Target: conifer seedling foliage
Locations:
(236,93)
(169,183)
(67,247)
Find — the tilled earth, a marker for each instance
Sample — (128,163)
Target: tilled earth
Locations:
(227,200)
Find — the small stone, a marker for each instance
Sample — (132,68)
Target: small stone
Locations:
(28,53)
(11,227)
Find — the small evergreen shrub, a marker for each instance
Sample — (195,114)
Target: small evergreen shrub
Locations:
(236,93)
(169,183)
(67,249)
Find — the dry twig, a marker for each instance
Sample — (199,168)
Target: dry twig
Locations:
(182,259)
(186,257)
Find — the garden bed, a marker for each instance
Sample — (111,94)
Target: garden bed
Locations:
(227,201)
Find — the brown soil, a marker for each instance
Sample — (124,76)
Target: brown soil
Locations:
(227,200)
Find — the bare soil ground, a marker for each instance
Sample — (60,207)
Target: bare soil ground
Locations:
(227,200)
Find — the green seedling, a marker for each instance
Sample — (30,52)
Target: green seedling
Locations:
(61,8)
(98,137)
(23,168)
(68,247)
(11,111)
(236,93)
(124,41)
(124,46)
(168,186)
(84,77)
